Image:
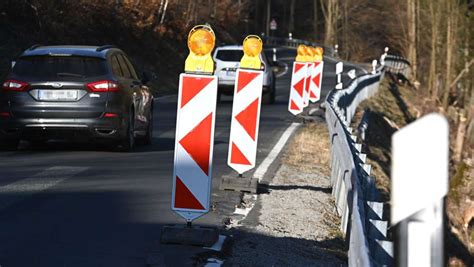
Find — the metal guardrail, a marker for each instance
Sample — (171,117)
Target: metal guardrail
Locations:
(397,65)
(357,198)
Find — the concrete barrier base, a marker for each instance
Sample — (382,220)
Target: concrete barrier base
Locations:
(241,184)
(189,235)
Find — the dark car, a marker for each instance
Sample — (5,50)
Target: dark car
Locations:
(74,92)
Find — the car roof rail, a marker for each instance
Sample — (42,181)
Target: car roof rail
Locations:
(104,47)
(33,47)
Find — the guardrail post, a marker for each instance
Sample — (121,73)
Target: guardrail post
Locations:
(374,66)
(384,55)
(419,184)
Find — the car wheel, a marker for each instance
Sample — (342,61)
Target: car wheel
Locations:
(127,143)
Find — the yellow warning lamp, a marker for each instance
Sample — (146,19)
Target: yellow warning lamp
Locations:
(311,54)
(301,53)
(252,46)
(319,53)
(201,41)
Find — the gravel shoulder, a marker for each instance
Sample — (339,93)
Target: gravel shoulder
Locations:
(294,222)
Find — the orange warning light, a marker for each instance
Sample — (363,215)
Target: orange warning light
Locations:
(319,53)
(301,53)
(252,47)
(201,41)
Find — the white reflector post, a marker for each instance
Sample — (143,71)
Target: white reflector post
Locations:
(194,145)
(339,70)
(419,184)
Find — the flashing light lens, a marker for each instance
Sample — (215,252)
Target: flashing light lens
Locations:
(311,51)
(319,51)
(201,41)
(301,50)
(252,45)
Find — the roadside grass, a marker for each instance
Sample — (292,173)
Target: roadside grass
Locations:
(310,150)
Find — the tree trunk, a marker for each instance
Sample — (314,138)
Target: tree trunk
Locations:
(434,16)
(411,18)
(449,53)
(460,136)
(315,17)
(267,21)
(291,26)
(329,23)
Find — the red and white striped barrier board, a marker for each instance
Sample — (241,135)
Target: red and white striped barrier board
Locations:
(316,79)
(194,145)
(298,80)
(307,83)
(245,120)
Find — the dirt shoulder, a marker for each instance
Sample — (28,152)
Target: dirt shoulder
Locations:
(294,224)
(394,106)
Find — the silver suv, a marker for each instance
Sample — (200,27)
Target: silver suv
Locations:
(227,59)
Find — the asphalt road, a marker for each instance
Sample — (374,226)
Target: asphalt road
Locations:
(82,205)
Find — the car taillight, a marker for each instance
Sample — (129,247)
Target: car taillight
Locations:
(103,86)
(14,85)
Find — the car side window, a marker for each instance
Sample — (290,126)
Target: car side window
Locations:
(130,68)
(123,67)
(116,67)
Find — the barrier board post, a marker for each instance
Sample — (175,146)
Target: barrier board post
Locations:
(298,82)
(316,75)
(419,185)
(192,172)
(242,153)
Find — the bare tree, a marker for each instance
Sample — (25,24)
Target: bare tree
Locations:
(411,20)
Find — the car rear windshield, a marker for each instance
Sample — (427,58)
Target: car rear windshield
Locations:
(230,55)
(59,67)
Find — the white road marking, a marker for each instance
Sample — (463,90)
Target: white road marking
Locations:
(17,191)
(218,245)
(211,262)
(262,170)
(263,167)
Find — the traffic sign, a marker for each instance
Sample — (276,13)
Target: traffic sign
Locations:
(245,120)
(194,145)
(306,93)
(194,140)
(316,81)
(298,80)
(273,25)
(246,107)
